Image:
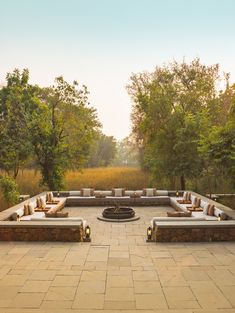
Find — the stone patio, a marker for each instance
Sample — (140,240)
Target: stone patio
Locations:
(117,272)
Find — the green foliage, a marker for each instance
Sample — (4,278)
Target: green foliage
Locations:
(103,151)
(54,126)
(9,189)
(175,107)
(15,149)
(127,154)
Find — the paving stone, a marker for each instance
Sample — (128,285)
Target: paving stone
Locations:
(119,262)
(145,275)
(65,280)
(92,287)
(36,286)
(61,293)
(56,305)
(209,296)
(150,301)
(119,305)
(93,276)
(42,275)
(147,287)
(27,300)
(119,281)
(119,294)
(89,301)
(180,297)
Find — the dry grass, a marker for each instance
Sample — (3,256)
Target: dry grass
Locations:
(107,178)
(97,178)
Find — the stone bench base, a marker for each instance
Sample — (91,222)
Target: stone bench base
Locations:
(217,231)
(39,231)
(127,201)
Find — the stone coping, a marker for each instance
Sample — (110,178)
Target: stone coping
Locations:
(195,224)
(40,224)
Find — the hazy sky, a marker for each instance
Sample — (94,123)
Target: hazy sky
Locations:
(101,42)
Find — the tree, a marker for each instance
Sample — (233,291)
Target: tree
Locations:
(62,129)
(10,189)
(103,151)
(55,126)
(172,107)
(127,154)
(15,148)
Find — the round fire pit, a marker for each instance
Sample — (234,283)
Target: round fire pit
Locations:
(118,214)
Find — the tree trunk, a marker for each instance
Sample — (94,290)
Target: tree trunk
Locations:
(182,182)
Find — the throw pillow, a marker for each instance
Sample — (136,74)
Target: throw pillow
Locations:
(223,216)
(211,210)
(50,214)
(197,202)
(206,207)
(62,214)
(188,196)
(87,192)
(173,214)
(185,214)
(38,203)
(31,209)
(43,202)
(185,195)
(15,216)
(26,209)
(118,192)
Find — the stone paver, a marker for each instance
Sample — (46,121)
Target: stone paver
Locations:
(118,272)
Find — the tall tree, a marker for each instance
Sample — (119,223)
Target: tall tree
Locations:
(15,148)
(103,151)
(55,126)
(62,130)
(172,107)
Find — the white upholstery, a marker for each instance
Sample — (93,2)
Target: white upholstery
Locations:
(118,192)
(86,192)
(75,193)
(149,192)
(162,193)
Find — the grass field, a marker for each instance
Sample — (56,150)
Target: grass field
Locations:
(98,178)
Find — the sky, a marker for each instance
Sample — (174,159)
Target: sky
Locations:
(100,43)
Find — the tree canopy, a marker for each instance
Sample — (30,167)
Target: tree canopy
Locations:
(55,125)
(175,111)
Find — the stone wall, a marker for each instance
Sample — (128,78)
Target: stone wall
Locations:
(79,201)
(197,234)
(40,231)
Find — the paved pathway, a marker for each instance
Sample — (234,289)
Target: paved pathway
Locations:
(117,272)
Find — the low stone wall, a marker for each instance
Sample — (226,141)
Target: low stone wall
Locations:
(195,234)
(41,231)
(80,201)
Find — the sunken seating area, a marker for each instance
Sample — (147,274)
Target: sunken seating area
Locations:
(40,219)
(196,218)
(90,197)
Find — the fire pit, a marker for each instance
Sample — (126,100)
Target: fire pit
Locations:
(118,214)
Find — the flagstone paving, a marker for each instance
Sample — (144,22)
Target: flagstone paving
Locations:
(117,272)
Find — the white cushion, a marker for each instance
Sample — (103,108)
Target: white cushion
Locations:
(149,192)
(75,193)
(86,192)
(31,209)
(193,198)
(117,192)
(43,201)
(162,193)
(202,204)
